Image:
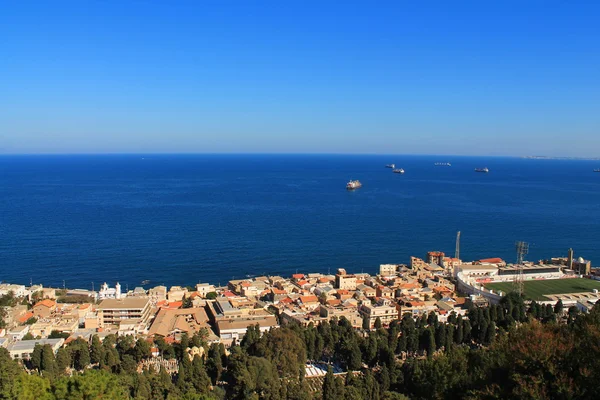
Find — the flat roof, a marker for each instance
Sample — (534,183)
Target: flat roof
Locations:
(23,345)
(127,303)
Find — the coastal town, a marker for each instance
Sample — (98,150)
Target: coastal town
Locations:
(439,284)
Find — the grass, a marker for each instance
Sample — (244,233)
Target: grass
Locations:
(535,290)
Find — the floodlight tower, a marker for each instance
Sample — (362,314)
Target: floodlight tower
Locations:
(457,250)
(522,249)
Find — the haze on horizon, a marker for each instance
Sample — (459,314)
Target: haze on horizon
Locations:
(468,78)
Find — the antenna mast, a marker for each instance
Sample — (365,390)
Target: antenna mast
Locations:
(522,249)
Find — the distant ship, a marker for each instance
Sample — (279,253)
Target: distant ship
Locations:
(486,170)
(597,170)
(145,282)
(391,166)
(353,185)
(443,164)
(398,171)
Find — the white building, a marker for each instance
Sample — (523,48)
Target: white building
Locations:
(23,349)
(18,290)
(107,292)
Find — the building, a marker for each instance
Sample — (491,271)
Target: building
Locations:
(345,281)
(582,267)
(107,292)
(183,320)
(22,349)
(383,309)
(177,293)
(113,311)
(205,288)
(235,329)
(435,257)
(388,269)
(17,290)
(44,308)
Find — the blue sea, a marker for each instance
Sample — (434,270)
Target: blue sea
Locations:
(183,219)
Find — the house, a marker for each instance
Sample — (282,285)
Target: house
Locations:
(113,311)
(44,308)
(23,349)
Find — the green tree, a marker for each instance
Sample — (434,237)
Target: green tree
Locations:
(63,359)
(366,323)
(378,323)
(558,307)
(214,364)
(90,385)
(32,387)
(96,350)
(331,388)
(9,372)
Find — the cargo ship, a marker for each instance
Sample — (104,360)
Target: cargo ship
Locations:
(398,171)
(391,166)
(486,170)
(353,185)
(443,164)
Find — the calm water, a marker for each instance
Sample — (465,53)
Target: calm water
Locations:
(184,219)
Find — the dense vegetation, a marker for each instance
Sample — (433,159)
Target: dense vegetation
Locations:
(506,351)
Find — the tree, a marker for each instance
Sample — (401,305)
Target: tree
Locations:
(214,364)
(558,308)
(96,350)
(90,385)
(36,357)
(211,295)
(378,323)
(32,387)
(366,323)
(48,361)
(141,350)
(63,359)
(331,389)
(187,302)
(9,371)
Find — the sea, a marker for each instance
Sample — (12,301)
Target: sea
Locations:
(81,220)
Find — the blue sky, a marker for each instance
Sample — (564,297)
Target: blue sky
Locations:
(407,77)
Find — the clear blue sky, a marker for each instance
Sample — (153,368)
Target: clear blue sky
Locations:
(423,77)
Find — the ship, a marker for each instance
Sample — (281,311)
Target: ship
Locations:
(486,170)
(443,164)
(353,185)
(391,166)
(398,171)
(597,170)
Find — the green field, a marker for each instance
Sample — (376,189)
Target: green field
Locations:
(535,290)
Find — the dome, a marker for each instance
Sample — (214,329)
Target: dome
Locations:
(580,260)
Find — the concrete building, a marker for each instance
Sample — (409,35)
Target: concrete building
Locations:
(388,269)
(113,311)
(205,288)
(345,281)
(435,257)
(22,349)
(383,309)
(183,320)
(44,308)
(17,290)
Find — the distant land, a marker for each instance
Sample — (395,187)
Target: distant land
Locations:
(560,158)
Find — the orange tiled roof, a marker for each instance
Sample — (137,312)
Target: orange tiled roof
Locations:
(298,276)
(46,303)
(23,318)
(309,299)
(495,260)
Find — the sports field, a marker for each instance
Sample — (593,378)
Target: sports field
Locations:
(535,290)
